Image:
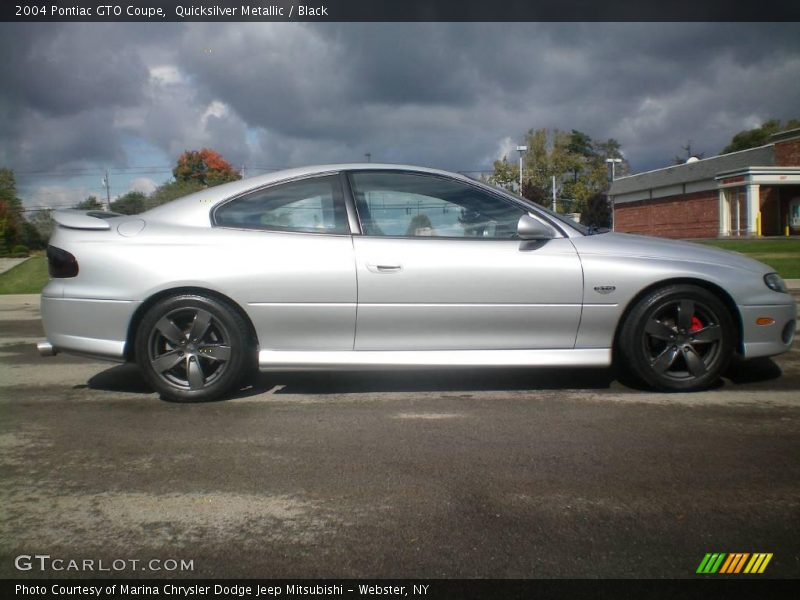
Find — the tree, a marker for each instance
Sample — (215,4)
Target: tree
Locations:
(43,221)
(172,190)
(505,174)
(31,236)
(548,155)
(577,162)
(753,138)
(205,166)
(580,144)
(131,203)
(534,193)
(11,229)
(91,203)
(597,212)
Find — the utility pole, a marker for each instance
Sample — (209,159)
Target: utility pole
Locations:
(522,150)
(108,192)
(554,194)
(613,162)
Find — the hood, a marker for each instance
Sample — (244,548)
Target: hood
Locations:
(625,244)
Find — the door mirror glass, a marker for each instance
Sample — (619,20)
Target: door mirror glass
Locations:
(529,228)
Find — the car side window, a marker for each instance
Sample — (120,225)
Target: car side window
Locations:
(418,205)
(308,206)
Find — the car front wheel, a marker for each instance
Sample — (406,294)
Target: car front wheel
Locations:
(192,348)
(679,338)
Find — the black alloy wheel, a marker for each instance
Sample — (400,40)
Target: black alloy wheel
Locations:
(678,338)
(192,348)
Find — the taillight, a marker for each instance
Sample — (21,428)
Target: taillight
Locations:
(61,263)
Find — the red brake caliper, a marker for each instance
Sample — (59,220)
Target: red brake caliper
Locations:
(696,325)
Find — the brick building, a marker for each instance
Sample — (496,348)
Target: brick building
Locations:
(748,193)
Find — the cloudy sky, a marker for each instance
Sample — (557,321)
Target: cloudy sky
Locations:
(78,98)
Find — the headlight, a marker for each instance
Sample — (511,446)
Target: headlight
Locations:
(775,283)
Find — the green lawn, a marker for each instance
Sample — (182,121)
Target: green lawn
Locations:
(27,278)
(781,255)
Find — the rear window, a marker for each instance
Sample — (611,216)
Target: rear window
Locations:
(313,205)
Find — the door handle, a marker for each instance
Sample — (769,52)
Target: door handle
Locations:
(384,268)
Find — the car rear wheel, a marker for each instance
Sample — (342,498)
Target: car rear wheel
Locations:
(192,348)
(678,338)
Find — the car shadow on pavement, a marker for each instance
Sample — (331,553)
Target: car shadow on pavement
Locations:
(121,378)
(755,370)
(128,378)
(436,380)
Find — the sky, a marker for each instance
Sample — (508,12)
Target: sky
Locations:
(77,99)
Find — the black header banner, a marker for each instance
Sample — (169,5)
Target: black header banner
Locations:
(399,10)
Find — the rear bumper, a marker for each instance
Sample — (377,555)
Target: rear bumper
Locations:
(90,327)
(772,339)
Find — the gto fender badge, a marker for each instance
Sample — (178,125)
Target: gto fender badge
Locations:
(604,289)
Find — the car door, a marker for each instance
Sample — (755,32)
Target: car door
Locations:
(439,267)
(291,262)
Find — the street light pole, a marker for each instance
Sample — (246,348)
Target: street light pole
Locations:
(107,185)
(522,150)
(613,162)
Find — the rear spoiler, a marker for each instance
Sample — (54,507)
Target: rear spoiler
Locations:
(83,219)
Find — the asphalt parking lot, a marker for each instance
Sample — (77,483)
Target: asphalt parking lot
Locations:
(439,474)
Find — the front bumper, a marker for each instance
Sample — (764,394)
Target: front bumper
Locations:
(772,339)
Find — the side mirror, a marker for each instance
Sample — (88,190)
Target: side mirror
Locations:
(529,228)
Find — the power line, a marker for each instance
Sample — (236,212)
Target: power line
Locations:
(64,191)
(95,171)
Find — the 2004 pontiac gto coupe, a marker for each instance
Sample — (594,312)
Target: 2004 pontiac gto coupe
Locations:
(383,266)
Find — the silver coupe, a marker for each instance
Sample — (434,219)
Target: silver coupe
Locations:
(383,266)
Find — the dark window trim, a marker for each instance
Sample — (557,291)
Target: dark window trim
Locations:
(476,185)
(353,219)
(213,215)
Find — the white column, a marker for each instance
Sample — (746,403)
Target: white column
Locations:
(724,215)
(753,208)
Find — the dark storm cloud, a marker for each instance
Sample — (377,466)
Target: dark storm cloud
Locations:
(63,70)
(284,77)
(60,86)
(653,86)
(72,94)
(82,135)
(427,63)
(454,95)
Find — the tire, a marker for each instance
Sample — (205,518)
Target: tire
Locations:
(679,338)
(193,348)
